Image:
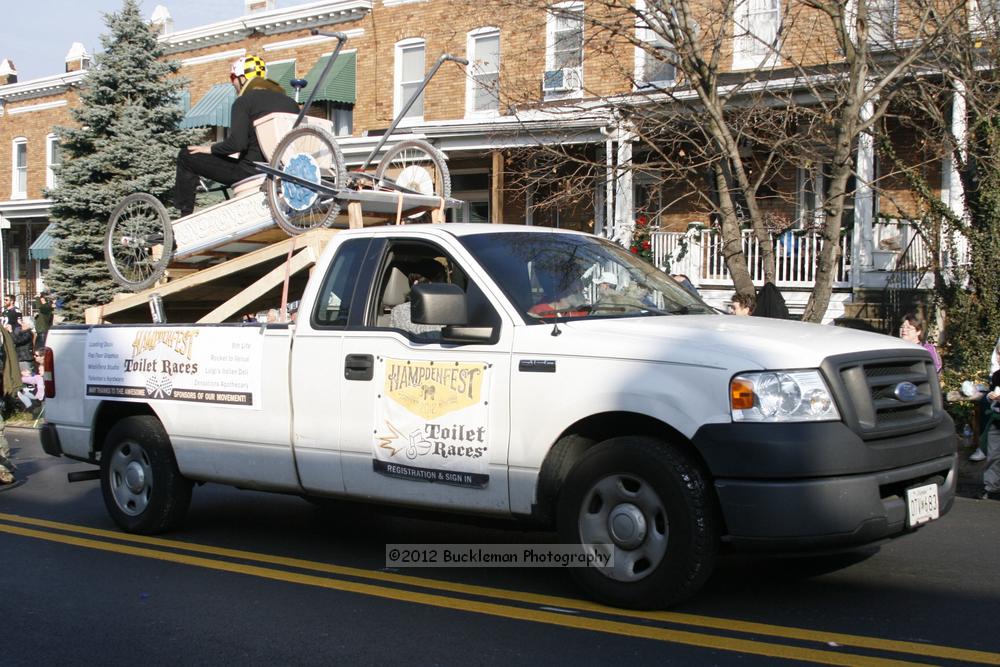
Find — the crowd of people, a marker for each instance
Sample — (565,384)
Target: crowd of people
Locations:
(22,360)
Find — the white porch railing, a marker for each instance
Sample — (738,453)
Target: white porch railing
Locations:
(698,255)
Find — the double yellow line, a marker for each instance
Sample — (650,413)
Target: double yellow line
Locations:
(545,609)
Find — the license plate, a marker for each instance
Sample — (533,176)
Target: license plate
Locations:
(922,504)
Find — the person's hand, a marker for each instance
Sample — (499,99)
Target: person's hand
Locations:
(994,395)
(200,150)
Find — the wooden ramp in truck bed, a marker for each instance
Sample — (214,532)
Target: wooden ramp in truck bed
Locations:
(223,292)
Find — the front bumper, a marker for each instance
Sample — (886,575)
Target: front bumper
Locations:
(836,499)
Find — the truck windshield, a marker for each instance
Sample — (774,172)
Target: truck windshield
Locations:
(555,276)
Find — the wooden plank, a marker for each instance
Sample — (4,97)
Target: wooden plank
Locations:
(315,239)
(496,189)
(354,218)
(306,257)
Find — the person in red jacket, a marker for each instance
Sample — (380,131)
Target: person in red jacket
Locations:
(256,96)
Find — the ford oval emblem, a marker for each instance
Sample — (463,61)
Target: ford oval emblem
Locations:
(905,391)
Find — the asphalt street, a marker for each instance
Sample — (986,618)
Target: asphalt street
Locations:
(253,578)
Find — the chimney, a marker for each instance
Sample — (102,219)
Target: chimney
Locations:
(8,73)
(253,6)
(162,22)
(77,58)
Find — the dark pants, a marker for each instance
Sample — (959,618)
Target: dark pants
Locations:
(218,168)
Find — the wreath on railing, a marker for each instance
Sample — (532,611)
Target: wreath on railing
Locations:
(642,242)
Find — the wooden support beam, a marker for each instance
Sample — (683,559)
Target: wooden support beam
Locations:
(354,217)
(496,189)
(306,257)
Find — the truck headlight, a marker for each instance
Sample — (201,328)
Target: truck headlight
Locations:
(781,396)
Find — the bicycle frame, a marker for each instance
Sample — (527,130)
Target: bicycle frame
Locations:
(341,39)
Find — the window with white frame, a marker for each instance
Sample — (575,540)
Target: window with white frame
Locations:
(409,76)
(53,159)
(19,177)
(564,49)
(483,92)
(883,16)
(758,23)
(655,59)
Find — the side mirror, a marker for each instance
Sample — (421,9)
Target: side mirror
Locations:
(438,303)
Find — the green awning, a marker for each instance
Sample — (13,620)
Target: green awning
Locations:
(339,84)
(43,246)
(283,73)
(213,109)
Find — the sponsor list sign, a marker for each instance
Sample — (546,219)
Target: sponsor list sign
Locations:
(431,421)
(214,365)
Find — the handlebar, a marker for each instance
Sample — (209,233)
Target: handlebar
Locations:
(336,35)
(454,59)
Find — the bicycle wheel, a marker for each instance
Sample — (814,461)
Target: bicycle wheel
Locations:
(415,165)
(139,241)
(310,154)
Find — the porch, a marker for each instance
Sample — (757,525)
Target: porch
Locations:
(897,247)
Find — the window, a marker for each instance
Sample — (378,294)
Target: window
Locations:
(408,262)
(334,302)
(564,49)
(654,63)
(472,187)
(53,157)
(19,178)
(757,28)
(882,17)
(483,50)
(342,117)
(409,76)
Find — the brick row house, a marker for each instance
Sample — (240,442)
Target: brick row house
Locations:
(532,79)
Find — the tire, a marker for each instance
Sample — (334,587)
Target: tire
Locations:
(665,540)
(414,165)
(139,242)
(313,154)
(143,490)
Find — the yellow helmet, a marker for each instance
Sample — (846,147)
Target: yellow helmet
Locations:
(251,67)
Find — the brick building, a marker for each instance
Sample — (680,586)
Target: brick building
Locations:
(475,118)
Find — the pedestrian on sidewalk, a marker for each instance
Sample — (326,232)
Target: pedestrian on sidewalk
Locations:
(991,476)
(983,414)
(11,383)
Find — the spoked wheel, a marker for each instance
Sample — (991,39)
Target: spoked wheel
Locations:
(139,242)
(647,505)
(416,166)
(310,154)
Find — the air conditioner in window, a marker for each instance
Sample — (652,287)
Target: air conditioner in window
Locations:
(561,80)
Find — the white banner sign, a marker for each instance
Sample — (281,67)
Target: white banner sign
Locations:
(432,421)
(217,365)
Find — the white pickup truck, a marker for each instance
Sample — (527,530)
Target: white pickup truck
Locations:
(526,373)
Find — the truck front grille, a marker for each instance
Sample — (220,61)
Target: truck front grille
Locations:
(868,387)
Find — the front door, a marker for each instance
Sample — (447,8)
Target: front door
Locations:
(425,423)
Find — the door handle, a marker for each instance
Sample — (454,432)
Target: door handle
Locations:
(359,367)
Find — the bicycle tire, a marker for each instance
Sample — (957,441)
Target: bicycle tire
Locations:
(137,227)
(314,154)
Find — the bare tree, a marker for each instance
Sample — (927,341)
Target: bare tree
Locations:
(820,79)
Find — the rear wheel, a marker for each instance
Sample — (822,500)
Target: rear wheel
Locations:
(310,154)
(414,166)
(651,505)
(139,242)
(143,489)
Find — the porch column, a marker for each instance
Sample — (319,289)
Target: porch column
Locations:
(497,188)
(864,204)
(624,207)
(954,192)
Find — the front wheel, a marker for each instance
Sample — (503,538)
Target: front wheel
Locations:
(311,155)
(650,504)
(143,490)
(139,242)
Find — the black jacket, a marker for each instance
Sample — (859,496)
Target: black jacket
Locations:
(259,98)
(23,339)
